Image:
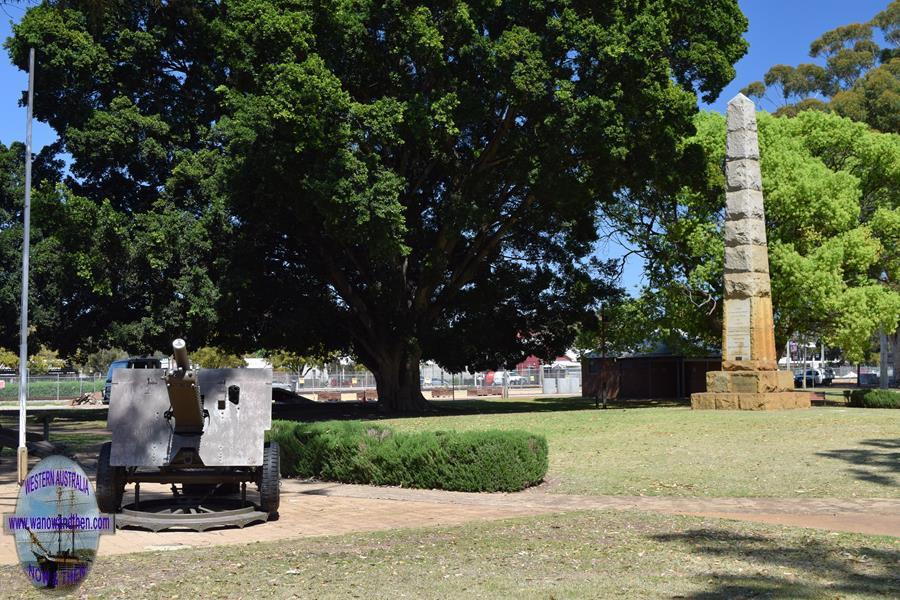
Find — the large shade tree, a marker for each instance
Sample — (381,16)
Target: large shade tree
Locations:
(48,261)
(405,180)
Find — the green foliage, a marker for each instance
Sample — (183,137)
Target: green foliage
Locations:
(888,21)
(874,98)
(885,226)
(361,452)
(793,82)
(641,324)
(398,181)
(875,399)
(860,78)
(129,246)
(9,359)
(44,360)
(210,357)
(49,265)
(285,360)
(99,361)
(831,188)
(826,261)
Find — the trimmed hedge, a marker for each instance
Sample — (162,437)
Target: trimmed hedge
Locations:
(364,452)
(875,399)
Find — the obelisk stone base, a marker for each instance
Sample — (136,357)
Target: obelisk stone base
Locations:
(764,401)
(749,390)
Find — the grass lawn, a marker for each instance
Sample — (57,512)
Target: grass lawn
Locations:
(49,388)
(831,451)
(821,452)
(574,555)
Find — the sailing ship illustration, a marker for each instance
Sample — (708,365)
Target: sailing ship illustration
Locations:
(68,564)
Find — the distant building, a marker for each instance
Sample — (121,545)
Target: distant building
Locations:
(658,374)
(529,364)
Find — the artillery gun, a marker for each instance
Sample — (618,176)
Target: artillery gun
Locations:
(201,428)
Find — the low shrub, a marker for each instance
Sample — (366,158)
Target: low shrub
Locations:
(368,453)
(875,399)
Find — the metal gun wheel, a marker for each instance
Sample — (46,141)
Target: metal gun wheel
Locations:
(110,482)
(186,513)
(269,480)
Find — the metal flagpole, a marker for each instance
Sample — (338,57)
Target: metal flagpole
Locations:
(26,249)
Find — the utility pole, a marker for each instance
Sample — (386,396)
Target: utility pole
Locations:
(26,249)
(883,359)
(804,362)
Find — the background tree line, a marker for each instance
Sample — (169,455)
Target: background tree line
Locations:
(831,179)
(397,181)
(860,79)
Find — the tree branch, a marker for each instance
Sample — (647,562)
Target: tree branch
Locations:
(490,151)
(483,244)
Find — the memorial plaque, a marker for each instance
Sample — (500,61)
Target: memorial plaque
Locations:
(737,330)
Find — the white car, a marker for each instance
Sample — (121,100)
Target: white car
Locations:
(814,377)
(512,378)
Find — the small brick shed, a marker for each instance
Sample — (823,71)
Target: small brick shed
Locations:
(646,376)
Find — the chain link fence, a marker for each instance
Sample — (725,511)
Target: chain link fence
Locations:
(58,386)
(520,382)
(530,381)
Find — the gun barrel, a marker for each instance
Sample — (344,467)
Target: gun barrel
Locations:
(184,392)
(179,348)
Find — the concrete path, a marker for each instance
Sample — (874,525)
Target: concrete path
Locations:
(317,509)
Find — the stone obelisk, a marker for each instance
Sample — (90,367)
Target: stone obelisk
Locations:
(749,379)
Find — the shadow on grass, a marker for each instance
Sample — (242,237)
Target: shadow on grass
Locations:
(469,406)
(827,398)
(512,405)
(877,462)
(540,404)
(808,568)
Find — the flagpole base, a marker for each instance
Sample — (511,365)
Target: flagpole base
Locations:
(23,463)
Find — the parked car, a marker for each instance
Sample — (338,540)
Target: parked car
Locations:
(515,379)
(814,377)
(512,378)
(133,362)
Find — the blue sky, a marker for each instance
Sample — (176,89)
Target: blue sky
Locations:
(780,32)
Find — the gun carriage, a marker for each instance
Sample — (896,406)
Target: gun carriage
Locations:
(201,428)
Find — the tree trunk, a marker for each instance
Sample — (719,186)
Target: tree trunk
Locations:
(397,379)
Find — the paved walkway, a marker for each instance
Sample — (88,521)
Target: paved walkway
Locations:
(304,512)
(316,509)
